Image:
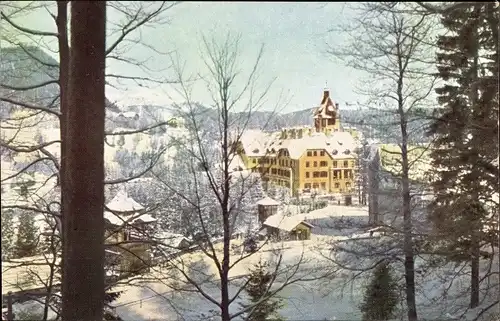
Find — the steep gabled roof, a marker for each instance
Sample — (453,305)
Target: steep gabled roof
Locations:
(122,203)
(327,108)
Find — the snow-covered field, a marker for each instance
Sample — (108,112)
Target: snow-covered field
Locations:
(332,298)
(335,296)
(322,291)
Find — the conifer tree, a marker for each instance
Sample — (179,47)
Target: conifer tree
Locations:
(381,295)
(7,234)
(260,308)
(27,235)
(466,133)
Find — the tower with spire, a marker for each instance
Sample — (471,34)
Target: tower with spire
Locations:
(326,116)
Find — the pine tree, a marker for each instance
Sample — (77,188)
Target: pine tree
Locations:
(467,176)
(27,235)
(7,234)
(381,295)
(257,289)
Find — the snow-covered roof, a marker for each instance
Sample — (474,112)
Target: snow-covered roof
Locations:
(122,203)
(171,239)
(129,114)
(286,223)
(336,144)
(327,108)
(267,201)
(254,141)
(127,219)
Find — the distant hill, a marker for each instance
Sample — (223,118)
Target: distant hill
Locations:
(31,66)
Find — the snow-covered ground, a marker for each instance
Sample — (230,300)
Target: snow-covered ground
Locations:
(321,289)
(332,298)
(335,296)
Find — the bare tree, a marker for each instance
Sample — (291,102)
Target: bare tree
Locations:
(386,45)
(33,96)
(214,193)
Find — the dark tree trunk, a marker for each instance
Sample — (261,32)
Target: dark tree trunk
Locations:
(225,217)
(407,216)
(474,274)
(83,282)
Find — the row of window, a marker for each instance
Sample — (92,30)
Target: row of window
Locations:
(291,163)
(323,186)
(274,161)
(281,172)
(325,164)
(315,153)
(337,174)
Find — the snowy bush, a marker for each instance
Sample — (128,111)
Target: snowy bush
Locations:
(381,295)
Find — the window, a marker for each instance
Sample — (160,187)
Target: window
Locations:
(347,173)
(273,171)
(324,174)
(323,164)
(337,174)
(307,185)
(315,185)
(315,174)
(315,164)
(347,185)
(309,153)
(307,174)
(346,163)
(307,164)
(335,164)
(254,161)
(337,185)
(322,153)
(323,186)
(315,153)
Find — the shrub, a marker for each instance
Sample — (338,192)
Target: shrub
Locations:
(381,295)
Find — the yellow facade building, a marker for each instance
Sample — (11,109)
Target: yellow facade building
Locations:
(319,159)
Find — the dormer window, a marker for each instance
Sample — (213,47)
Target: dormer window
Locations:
(334,152)
(347,152)
(255,151)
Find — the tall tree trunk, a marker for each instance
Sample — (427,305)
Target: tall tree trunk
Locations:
(476,223)
(474,273)
(407,217)
(408,240)
(225,215)
(83,282)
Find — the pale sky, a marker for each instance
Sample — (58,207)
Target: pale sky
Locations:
(294,34)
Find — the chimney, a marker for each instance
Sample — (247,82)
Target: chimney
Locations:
(336,105)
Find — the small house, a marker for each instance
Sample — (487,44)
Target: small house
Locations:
(171,242)
(127,223)
(266,208)
(292,228)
